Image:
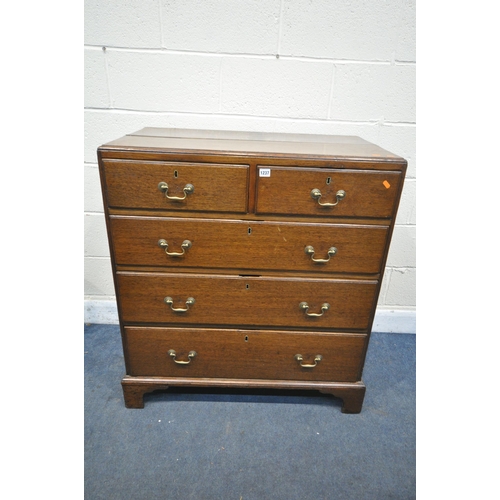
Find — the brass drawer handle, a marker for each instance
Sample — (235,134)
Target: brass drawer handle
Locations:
(299,359)
(316,195)
(170,301)
(310,251)
(305,307)
(173,354)
(186,245)
(188,189)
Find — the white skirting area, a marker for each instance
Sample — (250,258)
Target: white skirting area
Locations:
(102,312)
(395,321)
(386,320)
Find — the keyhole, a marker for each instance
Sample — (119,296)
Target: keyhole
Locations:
(249,230)
(328,180)
(246,338)
(176,174)
(248,286)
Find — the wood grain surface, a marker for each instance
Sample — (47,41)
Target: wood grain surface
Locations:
(245,300)
(236,289)
(367,193)
(244,354)
(248,245)
(218,188)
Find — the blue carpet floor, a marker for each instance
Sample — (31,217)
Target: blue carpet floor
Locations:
(248,445)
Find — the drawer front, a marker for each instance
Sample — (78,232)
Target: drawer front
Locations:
(215,187)
(290,190)
(244,300)
(248,245)
(244,354)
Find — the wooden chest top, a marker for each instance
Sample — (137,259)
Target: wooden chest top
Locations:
(248,144)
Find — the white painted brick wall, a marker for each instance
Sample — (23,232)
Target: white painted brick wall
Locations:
(342,68)
(275,87)
(235,27)
(159,81)
(128,23)
(363,92)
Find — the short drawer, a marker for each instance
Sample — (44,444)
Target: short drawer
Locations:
(206,243)
(245,300)
(245,354)
(327,192)
(176,186)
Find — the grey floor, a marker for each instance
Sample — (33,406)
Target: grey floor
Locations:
(247,445)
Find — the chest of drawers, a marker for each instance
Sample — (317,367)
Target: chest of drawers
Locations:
(247,260)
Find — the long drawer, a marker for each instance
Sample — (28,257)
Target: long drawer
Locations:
(176,186)
(245,300)
(274,355)
(327,192)
(229,244)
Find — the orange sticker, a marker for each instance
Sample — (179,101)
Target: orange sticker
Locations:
(386,184)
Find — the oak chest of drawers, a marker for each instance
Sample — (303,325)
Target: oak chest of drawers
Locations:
(247,260)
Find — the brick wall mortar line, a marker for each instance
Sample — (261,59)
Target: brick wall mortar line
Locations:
(280,30)
(253,55)
(332,86)
(110,100)
(374,122)
(221,62)
(385,286)
(162,39)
